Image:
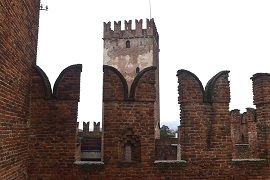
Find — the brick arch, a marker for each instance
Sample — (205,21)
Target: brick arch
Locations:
(109,79)
(37,90)
(150,82)
(67,85)
(190,88)
(212,91)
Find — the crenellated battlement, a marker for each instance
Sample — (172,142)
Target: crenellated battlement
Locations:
(244,134)
(128,32)
(205,115)
(39,130)
(96,127)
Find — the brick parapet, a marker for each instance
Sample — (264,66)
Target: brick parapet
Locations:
(41,86)
(86,128)
(218,88)
(235,126)
(19,21)
(190,88)
(67,85)
(38,126)
(123,114)
(252,132)
(205,120)
(166,148)
(52,133)
(53,123)
(244,134)
(128,32)
(261,84)
(115,87)
(261,98)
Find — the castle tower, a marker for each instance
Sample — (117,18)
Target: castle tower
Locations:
(130,51)
(130,92)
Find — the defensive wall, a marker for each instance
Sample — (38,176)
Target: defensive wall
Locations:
(18,48)
(38,124)
(213,142)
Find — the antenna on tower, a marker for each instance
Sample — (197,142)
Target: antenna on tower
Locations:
(150,7)
(41,7)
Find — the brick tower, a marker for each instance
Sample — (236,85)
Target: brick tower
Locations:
(131,51)
(130,91)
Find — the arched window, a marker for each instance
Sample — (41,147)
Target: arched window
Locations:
(130,147)
(137,70)
(128,152)
(243,138)
(127,44)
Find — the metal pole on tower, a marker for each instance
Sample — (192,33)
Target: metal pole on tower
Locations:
(150,7)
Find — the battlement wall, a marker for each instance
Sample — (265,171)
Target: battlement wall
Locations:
(115,86)
(86,130)
(209,135)
(128,120)
(38,124)
(244,134)
(19,21)
(261,98)
(53,121)
(128,32)
(205,114)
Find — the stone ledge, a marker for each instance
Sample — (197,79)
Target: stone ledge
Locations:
(89,163)
(241,145)
(170,162)
(249,160)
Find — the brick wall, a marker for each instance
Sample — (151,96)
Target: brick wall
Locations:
(123,115)
(38,125)
(208,134)
(53,123)
(244,134)
(18,47)
(166,149)
(261,93)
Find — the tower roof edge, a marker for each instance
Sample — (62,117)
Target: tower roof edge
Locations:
(128,32)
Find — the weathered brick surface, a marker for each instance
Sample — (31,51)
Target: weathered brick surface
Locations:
(67,85)
(114,84)
(52,125)
(18,47)
(244,134)
(261,93)
(38,125)
(166,149)
(235,126)
(131,113)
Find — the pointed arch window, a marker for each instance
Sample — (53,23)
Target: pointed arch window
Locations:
(130,147)
(137,70)
(127,44)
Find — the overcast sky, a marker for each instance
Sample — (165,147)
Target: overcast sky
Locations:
(202,36)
